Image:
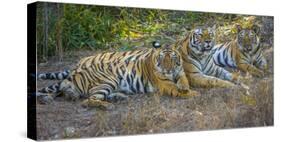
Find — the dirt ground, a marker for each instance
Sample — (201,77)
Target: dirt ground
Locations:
(146,114)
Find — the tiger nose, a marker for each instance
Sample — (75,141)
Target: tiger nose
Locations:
(249,48)
(208,41)
(168,71)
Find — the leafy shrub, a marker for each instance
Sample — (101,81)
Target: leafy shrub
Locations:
(98,27)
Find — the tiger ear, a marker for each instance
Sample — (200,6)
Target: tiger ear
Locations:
(238,28)
(176,46)
(214,27)
(193,26)
(256,29)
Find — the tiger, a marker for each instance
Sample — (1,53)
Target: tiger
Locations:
(243,53)
(110,76)
(196,49)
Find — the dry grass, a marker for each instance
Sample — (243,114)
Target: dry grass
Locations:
(145,114)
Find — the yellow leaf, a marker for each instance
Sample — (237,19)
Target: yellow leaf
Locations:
(134,34)
(249,100)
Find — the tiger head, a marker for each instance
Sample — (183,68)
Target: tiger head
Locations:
(167,62)
(202,40)
(247,38)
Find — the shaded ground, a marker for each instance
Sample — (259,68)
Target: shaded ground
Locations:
(143,114)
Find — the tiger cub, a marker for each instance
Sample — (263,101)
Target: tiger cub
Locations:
(243,53)
(111,76)
(199,66)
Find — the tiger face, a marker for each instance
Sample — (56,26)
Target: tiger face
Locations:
(202,40)
(167,62)
(247,39)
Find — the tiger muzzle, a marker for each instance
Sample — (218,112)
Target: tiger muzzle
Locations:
(248,48)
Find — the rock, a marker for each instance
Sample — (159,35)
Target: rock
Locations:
(69,132)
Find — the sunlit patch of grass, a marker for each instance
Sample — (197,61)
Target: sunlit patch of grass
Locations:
(249,100)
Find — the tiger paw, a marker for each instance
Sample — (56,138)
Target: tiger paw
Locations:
(117,97)
(228,84)
(97,104)
(70,95)
(193,93)
(183,84)
(190,94)
(183,87)
(43,98)
(236,76)
(259,74)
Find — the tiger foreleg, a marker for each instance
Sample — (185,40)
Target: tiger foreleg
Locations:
(172,90)
(182,82)
(251,69)
(226,75)
(204,81)
(262,65)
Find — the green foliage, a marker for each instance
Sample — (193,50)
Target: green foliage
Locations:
(52,26)
(85,27)
(99,27)
(95,27)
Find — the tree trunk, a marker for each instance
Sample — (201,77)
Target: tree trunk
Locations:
(59,49)
(45,46)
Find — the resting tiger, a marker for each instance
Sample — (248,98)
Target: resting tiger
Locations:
(104,77)
(243,53)
(196,51)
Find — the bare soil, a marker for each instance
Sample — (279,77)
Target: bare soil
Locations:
(145,114)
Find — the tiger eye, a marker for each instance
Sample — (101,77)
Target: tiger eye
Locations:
(241,34)
(198,36)
(251,34)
